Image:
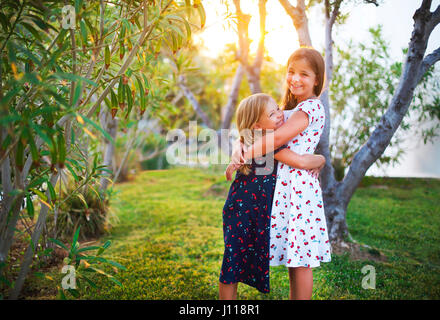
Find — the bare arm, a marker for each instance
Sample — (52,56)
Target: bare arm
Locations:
(295,160)
(296,124)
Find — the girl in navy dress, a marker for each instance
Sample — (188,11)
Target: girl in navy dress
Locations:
(246,213)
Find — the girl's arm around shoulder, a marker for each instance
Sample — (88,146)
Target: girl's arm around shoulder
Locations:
(295,160)
(296,124)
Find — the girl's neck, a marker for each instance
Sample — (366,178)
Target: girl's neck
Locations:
(301,99)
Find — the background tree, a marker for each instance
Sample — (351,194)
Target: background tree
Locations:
(245,66)
(60,67)
(337,194)
(363,83)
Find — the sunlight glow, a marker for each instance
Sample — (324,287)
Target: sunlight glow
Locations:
(281,39)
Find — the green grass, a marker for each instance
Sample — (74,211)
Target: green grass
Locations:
(169,236)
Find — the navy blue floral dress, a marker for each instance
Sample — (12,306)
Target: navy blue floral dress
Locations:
(246,227)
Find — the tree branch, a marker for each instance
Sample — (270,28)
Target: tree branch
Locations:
(232,99)
(434,20)
(243,37)
(391,120)
(13,27)
(27,260)
(145,34)
(299,18)
(428,62)
(192,99)
(260,51)
(335,12)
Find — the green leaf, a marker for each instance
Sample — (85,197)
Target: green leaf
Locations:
(43,25)
(40,133)
(78,5)
(107,244)
(81,197)
(4,22)
(53,195)
(9,118)
(76,94)
(36,182)
(72,171)
(88,248)
(177,30)
(83,29)
(61,143)
(113,263)
(30,55)
(188,29)
(72,77)
(129,100)
(104,247)
(93,284)
(9,95)
(97,127)
(29,206)
(115,281)
(62,295)
(75,239)
(58,243)
(11,52)
(73,292)
(202,14)
(114,99)
(39,193)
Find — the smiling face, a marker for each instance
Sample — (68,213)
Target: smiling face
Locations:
(301,79)
(272,117)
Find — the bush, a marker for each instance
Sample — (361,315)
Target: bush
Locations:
(154,142)
(131,164)
(87,210)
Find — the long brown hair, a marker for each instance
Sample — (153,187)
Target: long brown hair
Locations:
(248,113)
(316,62)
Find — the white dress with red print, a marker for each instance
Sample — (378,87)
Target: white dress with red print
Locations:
(298,234)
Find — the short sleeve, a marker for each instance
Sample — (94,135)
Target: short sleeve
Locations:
(309,107)
(284,146)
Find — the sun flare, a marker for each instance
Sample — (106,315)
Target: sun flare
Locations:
(280,41)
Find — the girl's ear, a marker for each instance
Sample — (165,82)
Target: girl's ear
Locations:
(256,126)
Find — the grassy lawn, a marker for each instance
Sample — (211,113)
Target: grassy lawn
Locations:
(169,236)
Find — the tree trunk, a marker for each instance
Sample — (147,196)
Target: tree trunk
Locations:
(193,100)
(253,76)
(10,205)
(300,21)
(232,98)
(133,136)
(253,71)
(6,203)
(335,208)
(336,194)
(27,260)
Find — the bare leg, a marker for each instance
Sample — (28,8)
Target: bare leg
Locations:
(227,291)
(301,283)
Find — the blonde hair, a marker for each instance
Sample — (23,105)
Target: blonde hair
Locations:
(248,113)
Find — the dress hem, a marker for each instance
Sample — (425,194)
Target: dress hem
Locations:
(314,265)
(244,282)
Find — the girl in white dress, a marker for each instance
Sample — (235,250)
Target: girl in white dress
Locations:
(298,236)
